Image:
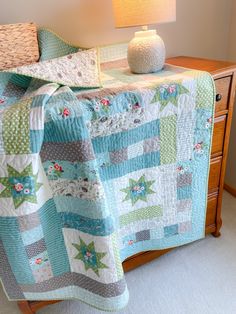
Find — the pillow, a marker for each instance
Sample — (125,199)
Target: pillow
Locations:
(18,45)
(79,69)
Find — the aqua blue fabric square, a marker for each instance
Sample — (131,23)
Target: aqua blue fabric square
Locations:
(16,253)
(36,140)
(50,220)
(32,235)
(129,239)
(184,192)
(22,186)
(103,159)
(52,46)
(170,231)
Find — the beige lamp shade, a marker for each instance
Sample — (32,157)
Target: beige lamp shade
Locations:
(143,12)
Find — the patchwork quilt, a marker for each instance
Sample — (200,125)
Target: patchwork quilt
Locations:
(91,177)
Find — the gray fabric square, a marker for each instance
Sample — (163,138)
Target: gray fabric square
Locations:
(119,156)
(185,227)
(184,205)
(143,235)
(184,179)
(72,151)
(151,145)
(13,90)
(35,248)
(28,222)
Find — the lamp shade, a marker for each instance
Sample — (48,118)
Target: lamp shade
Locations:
(143,12)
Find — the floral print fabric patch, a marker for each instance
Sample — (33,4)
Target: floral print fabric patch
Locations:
(20,186)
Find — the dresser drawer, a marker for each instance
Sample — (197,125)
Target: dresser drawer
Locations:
(218,135)
(211,209)
(214,175)
(222,93)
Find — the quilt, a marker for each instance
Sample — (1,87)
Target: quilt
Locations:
(89,178)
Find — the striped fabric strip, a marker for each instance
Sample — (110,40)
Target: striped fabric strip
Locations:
(131,165)
(73,292)
(76,130)
(52,46)
(97,227)
(124,139)
(20,267)
(6,275)
(82,207)
(52,231)
(74,279)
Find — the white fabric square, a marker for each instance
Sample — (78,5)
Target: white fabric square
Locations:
(135,150)
(36,118)
(154,199)
(185,138)
(102,244)
(19,163)
(140,226)
(169,197)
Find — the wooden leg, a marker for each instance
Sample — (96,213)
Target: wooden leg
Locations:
(31,307)
(25,308)
(217,233)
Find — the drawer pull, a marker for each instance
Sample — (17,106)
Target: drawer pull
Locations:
(218,97)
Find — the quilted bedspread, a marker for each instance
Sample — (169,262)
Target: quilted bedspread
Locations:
(89,178)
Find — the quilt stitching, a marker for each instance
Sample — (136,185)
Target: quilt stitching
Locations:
(120,175)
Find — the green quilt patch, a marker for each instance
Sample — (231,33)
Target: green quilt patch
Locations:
(169,93)
(168,139)
(20,186)
(88,255)
(16,128)
(138,190)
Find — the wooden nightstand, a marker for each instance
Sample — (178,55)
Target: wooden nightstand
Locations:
(224,74)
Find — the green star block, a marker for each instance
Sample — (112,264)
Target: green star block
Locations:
(138,190)
(20,186)
(88,255)
(169,92)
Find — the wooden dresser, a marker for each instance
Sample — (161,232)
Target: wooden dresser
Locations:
(224,74)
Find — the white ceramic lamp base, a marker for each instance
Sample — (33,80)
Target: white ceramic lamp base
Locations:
(146,52)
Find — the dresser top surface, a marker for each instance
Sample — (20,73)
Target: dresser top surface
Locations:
(215,67)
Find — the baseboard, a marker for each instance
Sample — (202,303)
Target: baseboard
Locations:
(230,189)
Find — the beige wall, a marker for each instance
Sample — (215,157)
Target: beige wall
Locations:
(232,33)
(201,29)
(231,164)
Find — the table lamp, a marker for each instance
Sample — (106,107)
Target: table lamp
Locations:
(146,51)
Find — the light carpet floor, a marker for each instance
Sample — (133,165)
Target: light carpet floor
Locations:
(199,278)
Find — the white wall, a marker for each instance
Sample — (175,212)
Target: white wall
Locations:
(201,29)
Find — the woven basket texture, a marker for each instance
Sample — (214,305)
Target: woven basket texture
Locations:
(18,45)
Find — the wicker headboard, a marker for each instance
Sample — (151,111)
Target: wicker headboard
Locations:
(18,45)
